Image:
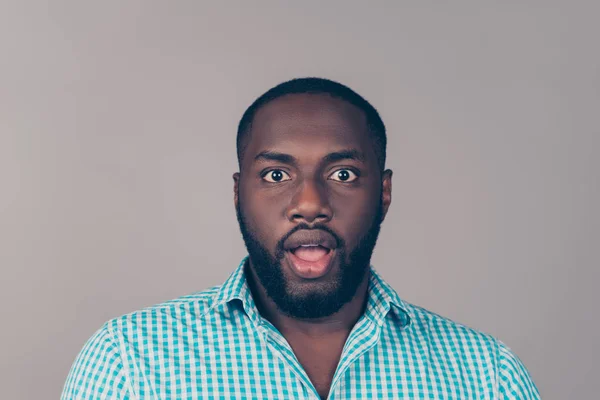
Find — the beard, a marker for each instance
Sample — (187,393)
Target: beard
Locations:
(315,299)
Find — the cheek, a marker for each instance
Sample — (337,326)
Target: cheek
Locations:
(354,215)
(263,215)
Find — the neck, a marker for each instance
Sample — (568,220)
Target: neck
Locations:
(340,322)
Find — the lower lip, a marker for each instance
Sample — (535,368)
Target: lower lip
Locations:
(310,269)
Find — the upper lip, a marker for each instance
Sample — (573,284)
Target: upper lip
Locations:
(306,237)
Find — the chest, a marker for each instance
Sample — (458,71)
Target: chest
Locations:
(236,363)
(319,360)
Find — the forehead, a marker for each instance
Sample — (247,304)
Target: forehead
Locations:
(317,123)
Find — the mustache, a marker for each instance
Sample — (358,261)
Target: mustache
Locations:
(280,252)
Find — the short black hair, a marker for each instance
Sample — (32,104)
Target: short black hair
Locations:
(316,86)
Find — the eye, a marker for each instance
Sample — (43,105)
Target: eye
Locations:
(275,176)
(343,175)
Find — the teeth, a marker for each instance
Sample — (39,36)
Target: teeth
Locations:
(309,245)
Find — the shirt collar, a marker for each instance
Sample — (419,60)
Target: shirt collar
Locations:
(382,298)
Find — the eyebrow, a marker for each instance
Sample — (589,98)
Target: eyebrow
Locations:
(347,154)
(268,155)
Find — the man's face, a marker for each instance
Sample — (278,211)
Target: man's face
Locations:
(310,198)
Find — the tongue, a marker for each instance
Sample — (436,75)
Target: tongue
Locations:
(313,253)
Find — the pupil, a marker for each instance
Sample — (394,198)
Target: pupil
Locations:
(277,176)
(344,175)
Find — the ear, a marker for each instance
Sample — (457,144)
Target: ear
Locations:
(236,188)
(386,187)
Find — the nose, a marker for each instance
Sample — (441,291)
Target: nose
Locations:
(310,204)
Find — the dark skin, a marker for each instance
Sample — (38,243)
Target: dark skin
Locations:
(310,141)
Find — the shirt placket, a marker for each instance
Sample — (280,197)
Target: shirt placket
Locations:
(283,350)
(362,338)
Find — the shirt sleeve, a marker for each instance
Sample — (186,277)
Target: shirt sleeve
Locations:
(514,382)
(97,372)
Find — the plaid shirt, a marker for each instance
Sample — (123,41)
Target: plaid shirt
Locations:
(215,345)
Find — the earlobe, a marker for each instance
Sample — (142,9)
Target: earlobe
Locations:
(236,188)
(386,187)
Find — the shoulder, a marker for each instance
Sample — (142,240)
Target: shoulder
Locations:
(97,370)
(514,381)
(450,332)
(103,366)
(455,345)
(163,316)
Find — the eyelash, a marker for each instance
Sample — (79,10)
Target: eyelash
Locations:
(355,172)
(265,173)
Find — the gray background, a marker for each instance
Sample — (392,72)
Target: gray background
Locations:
(117,128)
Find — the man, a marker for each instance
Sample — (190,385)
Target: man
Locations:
(304,316)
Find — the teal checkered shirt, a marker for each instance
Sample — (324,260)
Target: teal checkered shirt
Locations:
(215,345)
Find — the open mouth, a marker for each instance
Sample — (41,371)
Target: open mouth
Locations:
(310,261)
(310,252)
